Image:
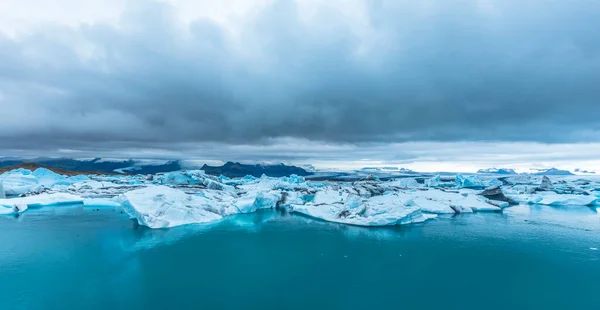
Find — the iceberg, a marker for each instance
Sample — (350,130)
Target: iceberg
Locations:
(554,199)
(470,181)
(386,210)
(191,196)
(568,200)
(18,182)
(257,200)
(17,208)
(47,177)
(42,200)
(162,207)
(434,206)
(404,183)
(459,202)
(433,182)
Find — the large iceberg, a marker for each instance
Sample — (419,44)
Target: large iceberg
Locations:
(162,206)
(469,181)
(191,196)
(18,182)
(437,201)
(385,210)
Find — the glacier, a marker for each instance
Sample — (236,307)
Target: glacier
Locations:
(184,197)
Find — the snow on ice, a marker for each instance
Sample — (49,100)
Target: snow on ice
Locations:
(192,197)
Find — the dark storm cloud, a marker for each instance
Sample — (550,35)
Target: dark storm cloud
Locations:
(435,71)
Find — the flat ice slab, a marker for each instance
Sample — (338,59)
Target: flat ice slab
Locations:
(386,210)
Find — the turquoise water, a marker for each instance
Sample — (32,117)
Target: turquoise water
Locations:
(76,258)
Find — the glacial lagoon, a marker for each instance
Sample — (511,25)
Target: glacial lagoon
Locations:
(526,257)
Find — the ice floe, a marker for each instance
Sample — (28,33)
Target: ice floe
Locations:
(385,210)
(191,196)
(42,200)
(161,207)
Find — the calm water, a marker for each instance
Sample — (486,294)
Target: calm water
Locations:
(75,258)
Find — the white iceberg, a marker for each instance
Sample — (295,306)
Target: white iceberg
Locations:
(433,182)
(257,200)
(470,181)
(42,200)
(386,210)
(18,182)
(17,208)
(568,200)
(430,205)
(329,196)
(162,206)
(49,178)
(554,199)
(459,202)
(404,183)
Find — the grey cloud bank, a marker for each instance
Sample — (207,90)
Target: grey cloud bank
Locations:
(445,71)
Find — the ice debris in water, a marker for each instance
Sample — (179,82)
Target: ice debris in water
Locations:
(470,181)
(191,196)
(42,200)
(385,210)
(18,182)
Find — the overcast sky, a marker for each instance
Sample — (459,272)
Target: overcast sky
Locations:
(433,84)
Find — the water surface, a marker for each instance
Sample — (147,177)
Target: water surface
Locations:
(77,258)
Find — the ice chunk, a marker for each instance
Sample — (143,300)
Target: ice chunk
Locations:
(386,210)
(459,202)
(470,181)
(294,179)
(568,200)
(492,183)
(433,182)
(546,184)
(48,178)
(2,193)
(404,183)
(257,200)
(18,182)
(17,208)
(433,206)
(496,194)
(42,200)
(162,206)
(178,178)
(553,199)
(329,196)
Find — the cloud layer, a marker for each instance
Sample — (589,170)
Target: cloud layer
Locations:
(389,72)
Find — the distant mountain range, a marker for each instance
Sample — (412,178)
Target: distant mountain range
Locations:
(130,166)
(553,171)
(229,169)
(388,169)
(504,171)
(96,165)
(497,171)
(233,170)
